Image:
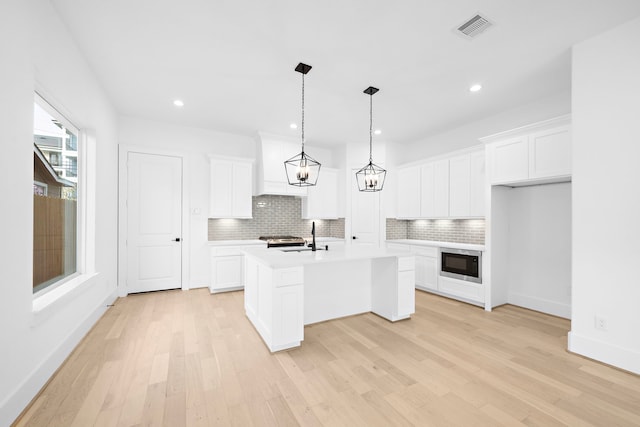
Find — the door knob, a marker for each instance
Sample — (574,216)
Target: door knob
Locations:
(354,237)
(177,239)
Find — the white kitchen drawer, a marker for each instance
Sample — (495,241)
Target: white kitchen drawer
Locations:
(406,263)
(460,288)
(226,251)
(289,276)
(431,251)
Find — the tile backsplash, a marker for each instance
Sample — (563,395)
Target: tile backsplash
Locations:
(273,215)
(441,230)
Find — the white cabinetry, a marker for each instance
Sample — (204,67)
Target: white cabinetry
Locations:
(409,192)
(434,192)
(459,186)
(274,303)
(230,191)
(272,177)
(550,153)
(466,186)
(477,184)
(451,187)
(536,153)
(322,199)
(393,288)
(227,268)
(426,267)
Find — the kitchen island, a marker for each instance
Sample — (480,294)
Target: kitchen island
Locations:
(287,289)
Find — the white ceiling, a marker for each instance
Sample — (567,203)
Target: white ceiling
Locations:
(232,61)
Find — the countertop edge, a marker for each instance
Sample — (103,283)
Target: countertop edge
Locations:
(433,243)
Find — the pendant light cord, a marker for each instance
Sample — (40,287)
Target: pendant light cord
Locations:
(371,128)
(302,112)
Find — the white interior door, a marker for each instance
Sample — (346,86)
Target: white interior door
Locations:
(154,222)
(365,215)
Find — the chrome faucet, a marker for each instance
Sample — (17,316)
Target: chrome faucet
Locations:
(313,236)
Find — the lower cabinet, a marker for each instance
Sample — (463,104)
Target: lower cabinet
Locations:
(227,269)
(468,291)
(274,303)
(406,296)
(426,268)
(427,276)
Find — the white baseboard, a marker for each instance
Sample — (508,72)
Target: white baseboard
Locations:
(620,357)
(539,304)
(17,401)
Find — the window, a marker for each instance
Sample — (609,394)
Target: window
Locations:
(56,234)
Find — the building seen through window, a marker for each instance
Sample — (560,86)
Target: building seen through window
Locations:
(55,205)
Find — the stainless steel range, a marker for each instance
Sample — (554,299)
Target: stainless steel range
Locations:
(280,241)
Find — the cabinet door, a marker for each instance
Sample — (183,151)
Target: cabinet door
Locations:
(426,272)
(251,289)
(459,186)
(427,190)
(550,153)
(220,198)
(509,160)
(273,158)
(409,192)
(227,272)
(241,188)
(477,184)
(322,200)
(434,191)
(406,293)
(441,189)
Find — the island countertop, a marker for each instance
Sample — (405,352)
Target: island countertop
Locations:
(292,256)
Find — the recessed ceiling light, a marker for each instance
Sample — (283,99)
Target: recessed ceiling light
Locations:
(475,88)
(293,126)
(178,103)
(377,131)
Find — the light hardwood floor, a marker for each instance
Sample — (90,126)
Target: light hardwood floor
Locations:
(190,358)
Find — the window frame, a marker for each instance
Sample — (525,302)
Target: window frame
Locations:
(85,215)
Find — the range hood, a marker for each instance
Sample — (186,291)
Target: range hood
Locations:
(271,178)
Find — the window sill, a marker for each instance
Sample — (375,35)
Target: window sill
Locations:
(45,305)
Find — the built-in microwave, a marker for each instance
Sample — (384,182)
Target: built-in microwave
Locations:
(461,264)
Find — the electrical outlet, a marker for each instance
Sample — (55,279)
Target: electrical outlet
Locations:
(601,323)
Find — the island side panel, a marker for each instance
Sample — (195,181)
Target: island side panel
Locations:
(274,303)
(393,287)
(336,289)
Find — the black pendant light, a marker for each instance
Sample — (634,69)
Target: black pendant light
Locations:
(371,176)
(302,170)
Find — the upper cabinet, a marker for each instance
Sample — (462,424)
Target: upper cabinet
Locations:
(434,190)
(533,154)
(230,188)
(408,192)
(322,201)
(272,177)
(451,187)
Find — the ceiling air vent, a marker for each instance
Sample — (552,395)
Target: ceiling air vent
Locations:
(474,26)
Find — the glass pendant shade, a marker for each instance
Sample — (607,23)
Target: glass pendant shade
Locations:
(371,177)
(302,170)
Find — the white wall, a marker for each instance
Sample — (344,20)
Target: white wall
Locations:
(539,248)
(195,145)
(468,135)
(606,197)
(38,53)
